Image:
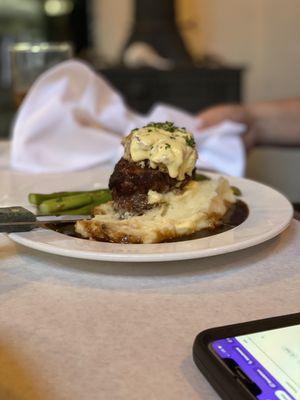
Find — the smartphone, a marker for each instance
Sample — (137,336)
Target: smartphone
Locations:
(253,360)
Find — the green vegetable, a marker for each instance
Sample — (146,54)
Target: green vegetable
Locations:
(190,141)
(38,198)
(85,210)
(62,204)
(65,203)
(201,177)
(236,191)
(167,126)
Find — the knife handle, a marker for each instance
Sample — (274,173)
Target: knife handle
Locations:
(16,219)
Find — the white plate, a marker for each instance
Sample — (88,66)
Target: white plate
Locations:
(270,213)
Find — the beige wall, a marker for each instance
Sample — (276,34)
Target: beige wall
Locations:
(112,21)
(262,35)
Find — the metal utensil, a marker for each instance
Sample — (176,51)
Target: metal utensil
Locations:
(19,219)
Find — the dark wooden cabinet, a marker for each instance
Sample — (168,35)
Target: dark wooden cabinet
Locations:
(191,89)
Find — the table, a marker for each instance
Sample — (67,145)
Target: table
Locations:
(75,329)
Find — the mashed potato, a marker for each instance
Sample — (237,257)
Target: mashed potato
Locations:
(197,206)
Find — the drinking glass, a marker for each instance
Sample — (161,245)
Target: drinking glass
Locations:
(29,60)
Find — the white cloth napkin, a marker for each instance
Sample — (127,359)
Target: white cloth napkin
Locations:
(73,119)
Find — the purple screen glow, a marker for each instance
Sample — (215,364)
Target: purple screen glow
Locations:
(271,389)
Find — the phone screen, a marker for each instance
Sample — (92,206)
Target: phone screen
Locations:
(268,362)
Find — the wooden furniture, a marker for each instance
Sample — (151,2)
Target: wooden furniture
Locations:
(189,88)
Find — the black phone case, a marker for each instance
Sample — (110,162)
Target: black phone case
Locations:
(219,377)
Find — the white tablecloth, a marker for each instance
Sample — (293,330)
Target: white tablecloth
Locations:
(75,329)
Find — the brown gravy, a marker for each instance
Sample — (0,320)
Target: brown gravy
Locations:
(235,215)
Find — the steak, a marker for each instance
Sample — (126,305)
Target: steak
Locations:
(131,181)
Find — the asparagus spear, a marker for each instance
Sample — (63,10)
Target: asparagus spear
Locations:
(38,198)
(236,191)
(64,203)
(85,210)
(201,177)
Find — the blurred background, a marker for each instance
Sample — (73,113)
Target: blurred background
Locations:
(189,53)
